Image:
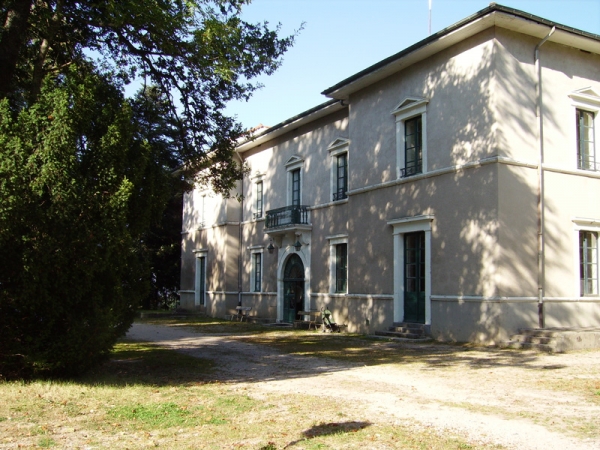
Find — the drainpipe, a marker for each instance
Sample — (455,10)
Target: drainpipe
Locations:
(540,199)
(240,236)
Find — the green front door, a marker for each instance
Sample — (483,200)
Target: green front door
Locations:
(293,288)
(414,277)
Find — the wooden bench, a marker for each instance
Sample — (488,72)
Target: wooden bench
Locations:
(241,313)
(313,317)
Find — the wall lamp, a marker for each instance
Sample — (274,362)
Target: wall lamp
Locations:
(271,247)
(298,244)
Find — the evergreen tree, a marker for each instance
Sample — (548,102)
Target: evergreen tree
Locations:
(85,174)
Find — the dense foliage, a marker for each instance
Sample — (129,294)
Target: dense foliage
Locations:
(86,174)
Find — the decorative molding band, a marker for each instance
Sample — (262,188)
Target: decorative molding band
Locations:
(572,299)
(445,171)
(261,294)
(481,299)
(359,296)
(577,172)
(328,204)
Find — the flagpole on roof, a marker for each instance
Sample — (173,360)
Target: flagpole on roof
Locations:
(429,16)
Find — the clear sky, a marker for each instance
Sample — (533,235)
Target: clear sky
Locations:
(342,37)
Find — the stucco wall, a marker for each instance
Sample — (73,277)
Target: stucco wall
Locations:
(480,189)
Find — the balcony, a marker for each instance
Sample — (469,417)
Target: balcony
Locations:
(287,217)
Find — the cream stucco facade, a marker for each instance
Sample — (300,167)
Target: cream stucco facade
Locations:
(494,209)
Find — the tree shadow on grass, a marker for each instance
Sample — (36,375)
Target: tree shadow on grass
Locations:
(329,429)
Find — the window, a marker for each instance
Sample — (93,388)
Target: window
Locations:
(341,268)
(586,149)
(338,264)
(259,200)
(200,278)
(295,174)
(586,103)
(413,148)
(341,186)
(588,262)
(338,150)
(411,136)
(257,272)
(294,180)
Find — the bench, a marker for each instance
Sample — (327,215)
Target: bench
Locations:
(313,316)
(241,313)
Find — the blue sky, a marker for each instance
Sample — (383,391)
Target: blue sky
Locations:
(342,37)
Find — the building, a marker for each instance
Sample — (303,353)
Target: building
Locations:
(453,184)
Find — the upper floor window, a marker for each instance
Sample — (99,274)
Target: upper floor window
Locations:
(411,136)
(259,200)
(295,187)
(294,171)
(586,148)
(413,147)
(587,106)
(338,151)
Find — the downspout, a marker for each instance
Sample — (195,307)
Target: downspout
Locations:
(540,200)
(240,235)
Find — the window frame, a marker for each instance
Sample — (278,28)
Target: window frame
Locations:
(259,204)
(338,149)
(200,277)
(583,225)
(408,109)
(256,278)
(334,242)
(294,165)
(584,264)
(585,100)
(581,165)
(341,268)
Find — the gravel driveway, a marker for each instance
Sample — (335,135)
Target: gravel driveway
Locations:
(450,398)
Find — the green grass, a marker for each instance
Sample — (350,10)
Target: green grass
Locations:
(146,396)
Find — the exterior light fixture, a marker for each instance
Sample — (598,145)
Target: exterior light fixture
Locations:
(298,244)
(271,247)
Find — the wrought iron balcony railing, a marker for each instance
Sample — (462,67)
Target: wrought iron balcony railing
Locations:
(340,195)
(289,215)
(411,170)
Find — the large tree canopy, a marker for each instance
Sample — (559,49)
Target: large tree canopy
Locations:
(198,53)
(85,174)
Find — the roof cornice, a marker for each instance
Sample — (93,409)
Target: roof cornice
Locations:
(322,110)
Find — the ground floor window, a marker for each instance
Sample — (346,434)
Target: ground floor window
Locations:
(257,272)
(588,262)
(341,268)
(200,284)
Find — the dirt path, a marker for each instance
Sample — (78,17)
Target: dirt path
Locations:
(484,400)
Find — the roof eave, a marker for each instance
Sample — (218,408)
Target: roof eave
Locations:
(322,110)
(493,15)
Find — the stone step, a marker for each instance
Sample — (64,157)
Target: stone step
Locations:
(532,339)
(548,348)
(402,335)
(406,330)
(412,326)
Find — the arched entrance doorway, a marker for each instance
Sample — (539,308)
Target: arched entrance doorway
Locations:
(293,288)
